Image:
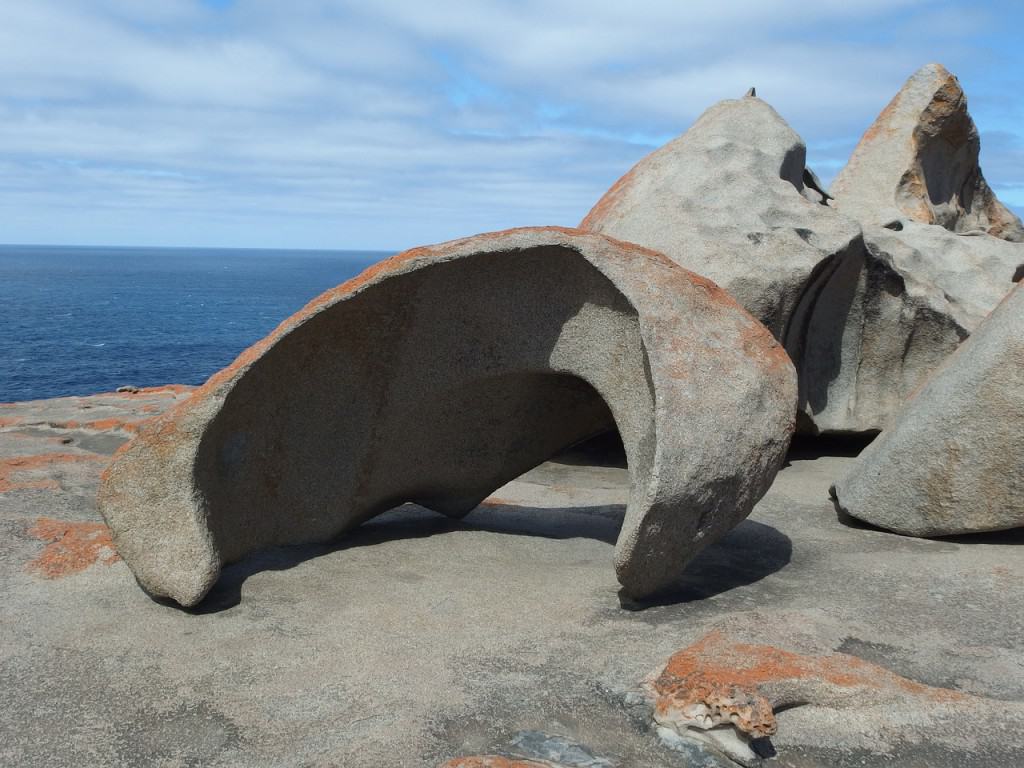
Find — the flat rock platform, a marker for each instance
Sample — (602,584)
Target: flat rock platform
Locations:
(417,639)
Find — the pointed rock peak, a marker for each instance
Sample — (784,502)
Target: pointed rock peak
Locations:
(919,161)
(751,93)
(733,139)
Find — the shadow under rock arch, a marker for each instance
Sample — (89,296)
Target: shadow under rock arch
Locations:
(749,553)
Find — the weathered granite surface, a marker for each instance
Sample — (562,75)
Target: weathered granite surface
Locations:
(919,161)
(419,639)
(953,459)
(444,372)
(865,315)
(940,253)
(728,199)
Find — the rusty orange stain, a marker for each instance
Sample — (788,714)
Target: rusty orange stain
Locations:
(9,421)
(102,425)
(494,501)
(759,344)
(595,218)
(492,761)
(716,660)
(19,464)
(72,547)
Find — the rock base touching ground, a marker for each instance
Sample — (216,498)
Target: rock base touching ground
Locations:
(438,375)
(418,639)
(953,460)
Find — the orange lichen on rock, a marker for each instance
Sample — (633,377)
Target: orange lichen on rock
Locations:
(102,425)
(72,547)
(699,689)
(495,501)
(718,681)
(609,201)
(20,464)
(492,761)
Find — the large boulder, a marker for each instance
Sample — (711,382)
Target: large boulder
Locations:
(864,318)
(868,333)
(953,461)
(733,200)
(938,257)
(439,375)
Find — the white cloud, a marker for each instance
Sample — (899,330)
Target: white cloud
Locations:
(382,124)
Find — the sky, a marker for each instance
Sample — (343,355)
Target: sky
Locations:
(386,124)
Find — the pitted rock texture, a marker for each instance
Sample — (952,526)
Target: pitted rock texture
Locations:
(953,461)
(729,199)
(864,318)
(868,333)
(919,161)
(444,372)
(732,199)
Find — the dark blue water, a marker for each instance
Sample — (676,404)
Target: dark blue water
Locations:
(80,320)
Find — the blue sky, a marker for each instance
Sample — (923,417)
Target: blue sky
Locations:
(388,124)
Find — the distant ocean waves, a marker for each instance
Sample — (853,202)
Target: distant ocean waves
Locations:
(80,320)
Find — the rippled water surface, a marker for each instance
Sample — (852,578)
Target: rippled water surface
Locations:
(79,320)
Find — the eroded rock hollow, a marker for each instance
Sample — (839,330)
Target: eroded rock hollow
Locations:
(444,372)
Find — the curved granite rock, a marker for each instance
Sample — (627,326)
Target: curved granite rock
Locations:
(953,461)
(444,372)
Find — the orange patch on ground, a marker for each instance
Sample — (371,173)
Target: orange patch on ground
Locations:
(717,661)
(102,425)
(492,761)
(9,421)
(72,547)
(20,464)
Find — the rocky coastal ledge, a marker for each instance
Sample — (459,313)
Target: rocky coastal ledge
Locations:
(497,640)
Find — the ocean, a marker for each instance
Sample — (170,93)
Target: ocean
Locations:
(80,320)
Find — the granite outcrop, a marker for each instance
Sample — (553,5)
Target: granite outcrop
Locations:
(444,372)
(868,286)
